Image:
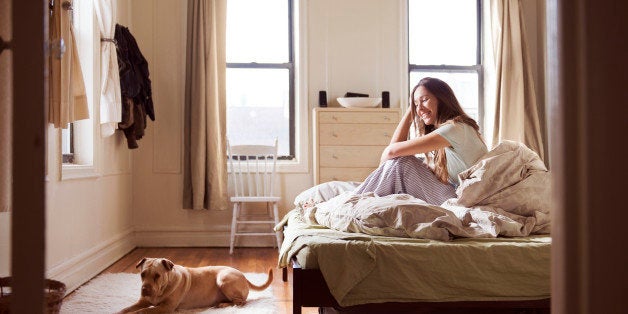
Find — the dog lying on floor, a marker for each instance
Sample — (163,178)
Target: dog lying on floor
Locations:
(167,287)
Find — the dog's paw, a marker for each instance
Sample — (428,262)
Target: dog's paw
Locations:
(238,301)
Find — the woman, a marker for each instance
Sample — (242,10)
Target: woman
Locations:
(448,137)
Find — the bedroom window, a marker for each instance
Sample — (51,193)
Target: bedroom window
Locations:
(67,144)
(77,141)
(444,41)
(260,74)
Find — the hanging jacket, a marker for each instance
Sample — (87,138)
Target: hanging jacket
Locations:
(135,87)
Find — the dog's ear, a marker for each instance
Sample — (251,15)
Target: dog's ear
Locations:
(140,263)
(167,263)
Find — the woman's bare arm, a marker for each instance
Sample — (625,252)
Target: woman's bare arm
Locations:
(403,128)
(414,146)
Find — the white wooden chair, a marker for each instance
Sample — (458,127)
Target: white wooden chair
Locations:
(253,170)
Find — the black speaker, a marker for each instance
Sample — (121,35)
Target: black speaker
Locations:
(322,98)
(385,100)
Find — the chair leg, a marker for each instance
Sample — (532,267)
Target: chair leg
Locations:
(276,218)
(236,210)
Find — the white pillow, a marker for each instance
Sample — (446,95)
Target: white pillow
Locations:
(323,192)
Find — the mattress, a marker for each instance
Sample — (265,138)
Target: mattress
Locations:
(362,269)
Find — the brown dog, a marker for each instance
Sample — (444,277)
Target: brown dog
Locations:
(167,287)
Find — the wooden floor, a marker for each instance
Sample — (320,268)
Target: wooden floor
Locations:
(256,260)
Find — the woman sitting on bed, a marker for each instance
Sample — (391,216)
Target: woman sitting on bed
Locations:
(448,137)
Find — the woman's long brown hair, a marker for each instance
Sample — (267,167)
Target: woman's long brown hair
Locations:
(449,111)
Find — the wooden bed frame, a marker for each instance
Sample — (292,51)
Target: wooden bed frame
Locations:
(309,289)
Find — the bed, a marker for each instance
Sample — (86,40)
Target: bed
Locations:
(486,251)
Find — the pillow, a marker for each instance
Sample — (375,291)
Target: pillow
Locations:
(323,192)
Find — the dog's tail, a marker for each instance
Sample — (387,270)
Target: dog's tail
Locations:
(265,285)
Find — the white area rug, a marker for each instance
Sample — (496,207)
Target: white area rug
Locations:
(109,293)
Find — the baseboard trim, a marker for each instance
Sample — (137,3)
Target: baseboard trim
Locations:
(83,267)
(79,269)
(196,238)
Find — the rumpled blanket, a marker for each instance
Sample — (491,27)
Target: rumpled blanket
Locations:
(505,193)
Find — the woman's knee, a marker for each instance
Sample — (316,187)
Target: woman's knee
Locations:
(406,161)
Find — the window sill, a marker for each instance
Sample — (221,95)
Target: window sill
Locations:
(292,166)
(71,172)
(285,166)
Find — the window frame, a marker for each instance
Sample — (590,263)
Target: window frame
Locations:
(291,81)
(477,68)
(84,133)
(68,158)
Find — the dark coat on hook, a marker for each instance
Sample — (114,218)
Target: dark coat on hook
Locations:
(135,87)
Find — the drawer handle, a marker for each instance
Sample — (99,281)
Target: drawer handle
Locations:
(386,134)
(334,118)
(334,156)
(334,134)
(386,118)
(334,179)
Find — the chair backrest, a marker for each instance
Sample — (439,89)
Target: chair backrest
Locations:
(253,169)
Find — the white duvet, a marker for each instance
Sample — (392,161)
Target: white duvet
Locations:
(506,193)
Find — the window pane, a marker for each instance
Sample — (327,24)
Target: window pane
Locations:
(66,139)
(257,31)
(442,32)
(464,85)
(258,109)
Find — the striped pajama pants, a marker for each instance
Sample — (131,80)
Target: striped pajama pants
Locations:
(407,175)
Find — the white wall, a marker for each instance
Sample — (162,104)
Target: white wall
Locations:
(88,221)
(356,45)
(352,45)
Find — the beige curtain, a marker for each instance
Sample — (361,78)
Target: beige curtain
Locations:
(516,115)
(68,102)
(6,99)
(205,170)
(110,99)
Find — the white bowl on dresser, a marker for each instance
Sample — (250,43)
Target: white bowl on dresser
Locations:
(359,102)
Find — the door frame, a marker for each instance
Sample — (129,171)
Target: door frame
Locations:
(28,226)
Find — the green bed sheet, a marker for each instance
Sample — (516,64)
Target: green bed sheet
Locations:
(372,269)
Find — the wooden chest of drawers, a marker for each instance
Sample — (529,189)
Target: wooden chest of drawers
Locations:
(348,142)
